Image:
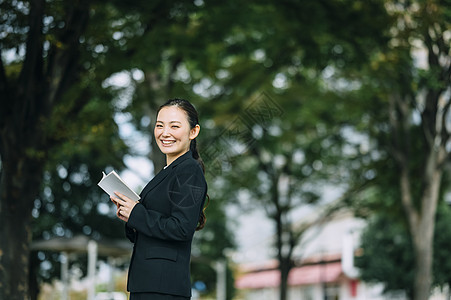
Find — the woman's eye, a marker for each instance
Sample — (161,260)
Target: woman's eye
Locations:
(175,126)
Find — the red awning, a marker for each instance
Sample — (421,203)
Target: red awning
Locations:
(304,275)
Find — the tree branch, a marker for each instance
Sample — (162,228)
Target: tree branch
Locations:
(399,120)
(29,84)
(5,99)
(445,135)
(62,59)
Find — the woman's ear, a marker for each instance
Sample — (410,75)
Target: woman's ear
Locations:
(193,133)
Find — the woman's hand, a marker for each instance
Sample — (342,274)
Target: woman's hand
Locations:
(124,206)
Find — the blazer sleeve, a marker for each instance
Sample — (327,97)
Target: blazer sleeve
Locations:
(187,191)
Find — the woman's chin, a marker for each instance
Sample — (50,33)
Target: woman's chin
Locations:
(168,150)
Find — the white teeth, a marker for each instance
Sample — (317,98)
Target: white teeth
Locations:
(167,142)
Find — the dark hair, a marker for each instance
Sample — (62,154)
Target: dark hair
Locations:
(193,120)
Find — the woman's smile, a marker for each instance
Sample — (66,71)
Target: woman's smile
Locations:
(167,143)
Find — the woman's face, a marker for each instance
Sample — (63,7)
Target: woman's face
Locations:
(173,133)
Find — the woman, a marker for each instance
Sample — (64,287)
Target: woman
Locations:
(162,224)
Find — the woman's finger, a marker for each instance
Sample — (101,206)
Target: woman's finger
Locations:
(114,201)
(119,201)
(123,197)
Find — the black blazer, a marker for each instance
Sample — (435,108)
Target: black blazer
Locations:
(162,226)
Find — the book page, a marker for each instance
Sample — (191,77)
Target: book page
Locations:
(113,183)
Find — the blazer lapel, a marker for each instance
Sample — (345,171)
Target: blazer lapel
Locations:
(154,182)
(162,174)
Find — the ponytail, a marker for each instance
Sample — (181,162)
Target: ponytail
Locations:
(195,153)
(203,217)
(196,156)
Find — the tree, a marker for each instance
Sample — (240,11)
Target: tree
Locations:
(420,205)
(408,82)
(31,88)
(295,140)
(282,169)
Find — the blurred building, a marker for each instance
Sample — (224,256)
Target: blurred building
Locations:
(324,268)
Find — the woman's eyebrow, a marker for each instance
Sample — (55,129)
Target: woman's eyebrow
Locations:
(169,122)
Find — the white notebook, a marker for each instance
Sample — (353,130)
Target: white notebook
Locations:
(113,183)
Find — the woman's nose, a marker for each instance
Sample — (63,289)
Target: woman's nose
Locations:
(165,131)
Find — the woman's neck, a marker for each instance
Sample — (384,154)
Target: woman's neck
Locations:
(170,159)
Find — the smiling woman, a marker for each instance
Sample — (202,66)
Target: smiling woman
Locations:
(162,224)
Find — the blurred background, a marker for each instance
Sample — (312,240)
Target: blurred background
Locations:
(325,130)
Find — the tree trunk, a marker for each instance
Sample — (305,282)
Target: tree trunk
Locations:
(284,267)
(422,225)
(423,265)
(284,252)
(424,238)
(19,185)
(33,283)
